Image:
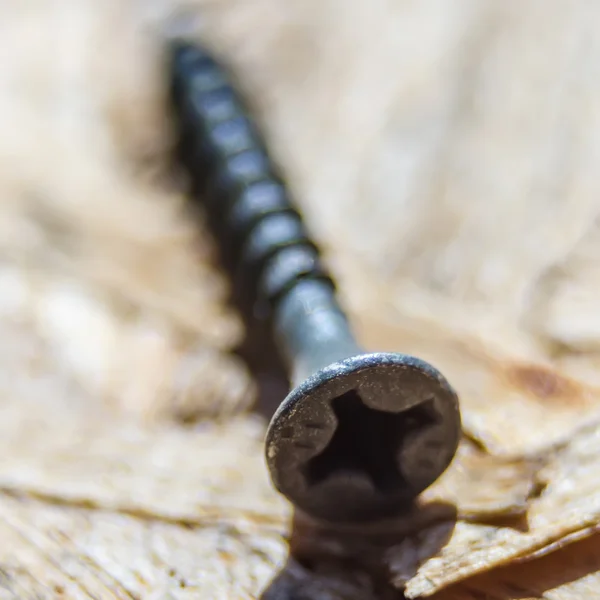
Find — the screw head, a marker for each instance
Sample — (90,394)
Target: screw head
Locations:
(361,438)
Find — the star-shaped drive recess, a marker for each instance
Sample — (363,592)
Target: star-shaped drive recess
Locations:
(367,441)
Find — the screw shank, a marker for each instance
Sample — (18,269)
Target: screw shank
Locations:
(311,329)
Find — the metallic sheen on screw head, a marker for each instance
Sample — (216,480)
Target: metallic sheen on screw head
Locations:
(363,437)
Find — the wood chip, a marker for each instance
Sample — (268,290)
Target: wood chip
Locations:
(568,504)
(570,574)
(482,486)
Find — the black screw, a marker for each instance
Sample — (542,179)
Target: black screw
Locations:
(361,435)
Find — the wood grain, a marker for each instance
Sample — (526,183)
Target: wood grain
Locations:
(444,154)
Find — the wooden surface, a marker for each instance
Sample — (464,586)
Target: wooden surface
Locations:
(445,155)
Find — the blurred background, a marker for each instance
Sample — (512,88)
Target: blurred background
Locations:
(443,153)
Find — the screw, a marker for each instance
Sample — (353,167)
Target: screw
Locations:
(361,434)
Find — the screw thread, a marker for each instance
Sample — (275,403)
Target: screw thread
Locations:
(262,236)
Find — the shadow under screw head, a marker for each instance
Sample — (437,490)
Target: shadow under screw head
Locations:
(360,439)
